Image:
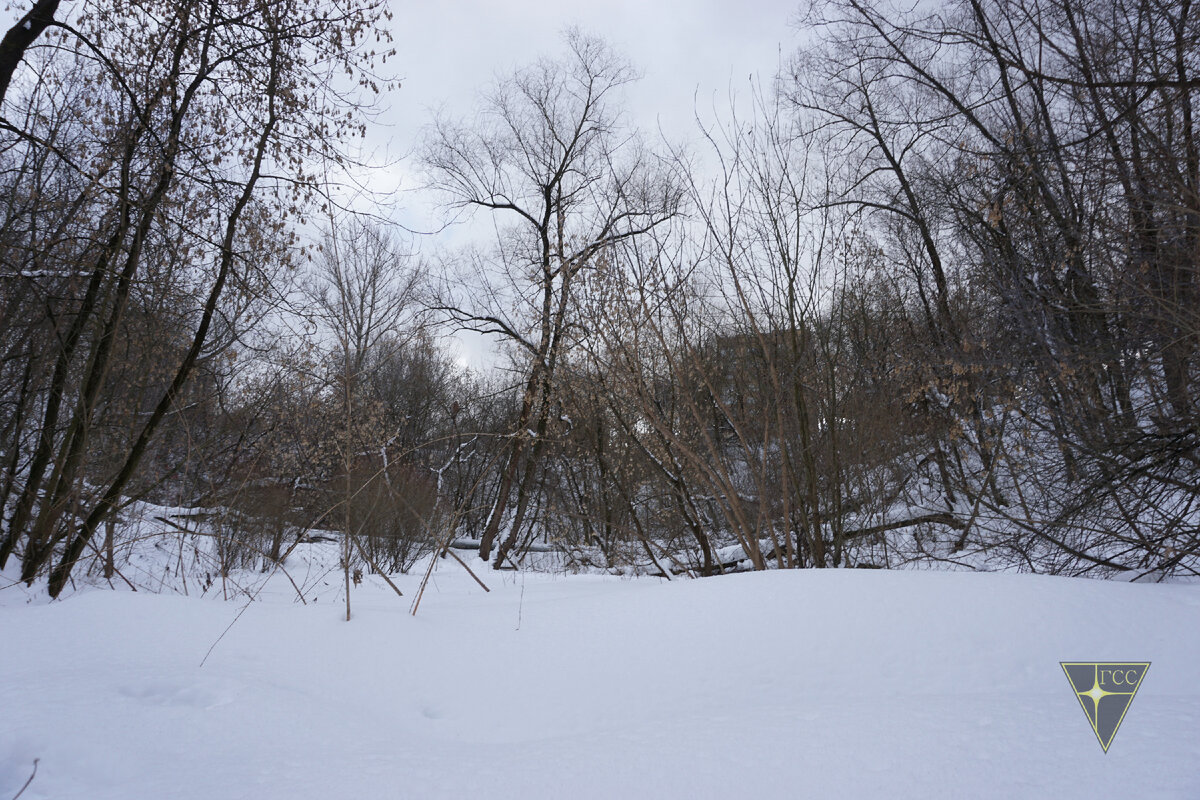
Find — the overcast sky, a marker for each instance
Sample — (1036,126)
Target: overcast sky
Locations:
(690,52)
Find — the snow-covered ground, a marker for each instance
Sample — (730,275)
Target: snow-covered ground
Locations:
(821,684)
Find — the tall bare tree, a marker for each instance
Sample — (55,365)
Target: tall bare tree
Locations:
(548,155)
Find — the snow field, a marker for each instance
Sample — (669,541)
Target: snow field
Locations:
(820,683)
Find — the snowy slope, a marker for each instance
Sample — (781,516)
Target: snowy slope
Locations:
(855,684)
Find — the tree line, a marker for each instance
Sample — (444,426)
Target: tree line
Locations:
(928,297)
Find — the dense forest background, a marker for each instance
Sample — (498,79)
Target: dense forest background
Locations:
(930,297)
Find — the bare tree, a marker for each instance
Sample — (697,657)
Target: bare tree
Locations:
(550,158)
(364,291)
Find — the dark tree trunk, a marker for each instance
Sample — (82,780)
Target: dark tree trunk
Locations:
(20,37)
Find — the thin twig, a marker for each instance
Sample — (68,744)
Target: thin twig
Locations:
(29,781)
(227,629)
(454,555)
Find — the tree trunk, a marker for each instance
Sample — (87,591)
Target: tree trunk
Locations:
(20,36)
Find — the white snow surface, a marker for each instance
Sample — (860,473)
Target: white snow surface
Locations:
(797,684)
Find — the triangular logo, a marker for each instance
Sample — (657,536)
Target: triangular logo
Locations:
(1105,690)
